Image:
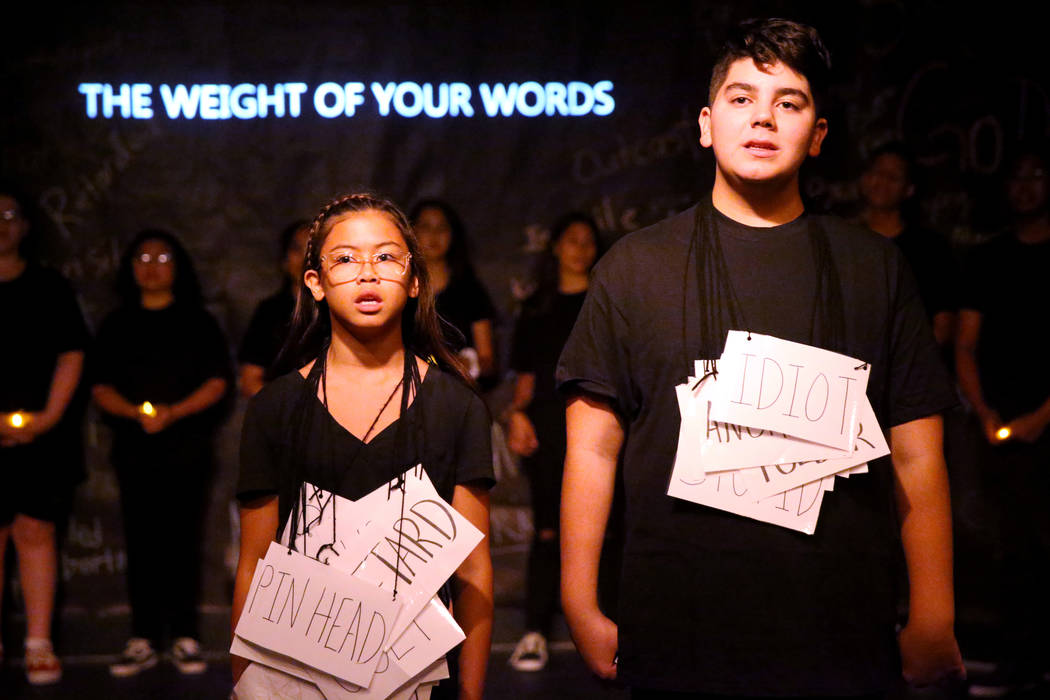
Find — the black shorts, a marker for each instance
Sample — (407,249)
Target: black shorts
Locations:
(34,481)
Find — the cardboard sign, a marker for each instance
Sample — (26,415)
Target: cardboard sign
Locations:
(789,388)
(317,615)
(797,509)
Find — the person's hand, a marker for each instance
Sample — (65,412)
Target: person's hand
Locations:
(1027,427)
(33,425)
(929,656)
(521,435)
(159,420)
(597,640)
(991,423)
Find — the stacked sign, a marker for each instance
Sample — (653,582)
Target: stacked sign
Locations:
(326,612)
(768,426)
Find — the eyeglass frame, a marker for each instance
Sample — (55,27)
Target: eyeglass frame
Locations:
(147,259)
(371,259)
(11,215)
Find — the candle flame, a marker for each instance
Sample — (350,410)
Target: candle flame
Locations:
(147,408)
(17,420)
(1002,433)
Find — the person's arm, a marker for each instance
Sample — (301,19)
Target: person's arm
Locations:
(110,400)
(258,525)
(203,397)
(472,604)
(928,648)
(944,327)
(966,337)
(1029,427)
(521,434)
(484,345)
(64,380)
(251,379)
(594,438)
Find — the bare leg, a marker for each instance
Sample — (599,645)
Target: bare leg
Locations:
(37,566)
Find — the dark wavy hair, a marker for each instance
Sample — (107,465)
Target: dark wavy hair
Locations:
(458,256)
(27,248)
(767,41)
(546,270)
(187,288)
(420,330)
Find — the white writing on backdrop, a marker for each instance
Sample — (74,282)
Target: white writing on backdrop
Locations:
(331,100)
(772,468)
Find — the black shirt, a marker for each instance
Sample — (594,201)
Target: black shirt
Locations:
(709,601)
(1006,281)
(267,332)
(462,303)
(540,335)
(41,320)
(934,267)
(288,432)
(161,356)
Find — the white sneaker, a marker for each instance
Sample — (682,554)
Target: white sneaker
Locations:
(186,655)
(42,666)
(530,654)
(138,656)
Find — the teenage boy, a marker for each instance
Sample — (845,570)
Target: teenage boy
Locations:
(711,602)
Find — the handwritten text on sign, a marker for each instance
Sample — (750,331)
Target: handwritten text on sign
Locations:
(317,615)
(791,388)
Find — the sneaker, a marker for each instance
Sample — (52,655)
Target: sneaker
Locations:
(42,666)
(186,655)
(138,656)
(530,654)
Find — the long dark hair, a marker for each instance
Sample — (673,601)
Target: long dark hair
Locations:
(187,287)
(420,330)
(458,255)
(546,270)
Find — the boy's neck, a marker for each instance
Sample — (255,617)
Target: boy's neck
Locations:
(888,222)
(1034,229)
(764,204)
(154,301)
(570,282)
(11,266)
(379,349)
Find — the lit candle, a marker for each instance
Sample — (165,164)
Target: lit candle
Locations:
(147,409)
(1002,433)
(17,420)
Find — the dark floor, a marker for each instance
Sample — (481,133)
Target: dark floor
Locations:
(565,678)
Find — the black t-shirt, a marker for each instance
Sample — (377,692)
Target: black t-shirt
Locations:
(934,267)
(41,320)
(462,303)
(710,601)
(161,356)
(288,432)
(267,332)
(1005,280)
(539,336)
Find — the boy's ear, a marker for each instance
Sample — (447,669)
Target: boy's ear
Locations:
(413,289)
(313,282)
(705,127)
(820,131)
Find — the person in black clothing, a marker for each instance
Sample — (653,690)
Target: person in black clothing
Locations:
(1004,301)
(41,457)
(461,300)
(382,394)
(272,318)
(536,416)
(887,187)
(710,602)
(160,368)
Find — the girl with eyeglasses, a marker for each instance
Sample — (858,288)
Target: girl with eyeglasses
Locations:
(379,393)
(160,369)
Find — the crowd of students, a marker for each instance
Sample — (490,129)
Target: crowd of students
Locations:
(376,351)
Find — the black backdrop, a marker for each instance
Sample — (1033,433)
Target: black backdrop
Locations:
(961,87)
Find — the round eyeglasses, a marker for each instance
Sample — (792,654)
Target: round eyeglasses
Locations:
(148,259)
(343,267)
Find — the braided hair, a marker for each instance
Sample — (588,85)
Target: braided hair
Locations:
(420,328)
